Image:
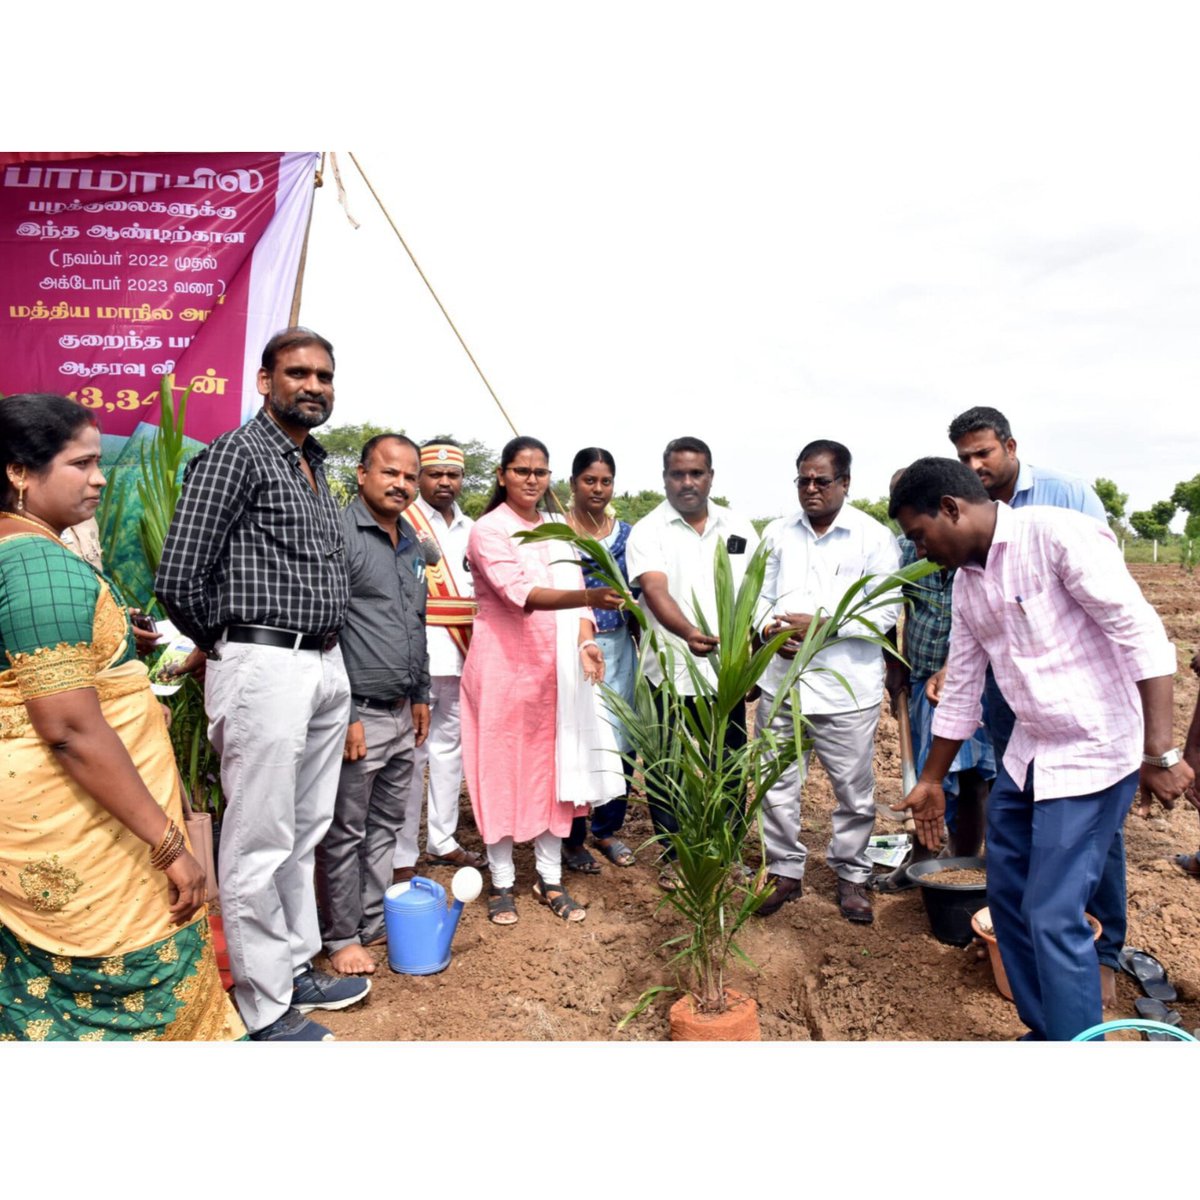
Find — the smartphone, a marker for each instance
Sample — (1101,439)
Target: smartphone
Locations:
(142,621)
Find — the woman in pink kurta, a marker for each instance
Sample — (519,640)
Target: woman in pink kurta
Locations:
(509,683)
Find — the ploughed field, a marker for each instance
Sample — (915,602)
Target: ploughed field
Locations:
(818,977)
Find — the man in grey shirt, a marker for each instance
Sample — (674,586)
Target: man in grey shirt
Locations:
(383,643)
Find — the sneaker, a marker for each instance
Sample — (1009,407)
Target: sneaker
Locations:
(293,1026)
(314,989)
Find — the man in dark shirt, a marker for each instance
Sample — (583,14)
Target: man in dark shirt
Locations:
(384,643)
(253,570)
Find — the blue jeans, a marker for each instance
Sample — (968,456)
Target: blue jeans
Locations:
(1108,903)
(1044,862)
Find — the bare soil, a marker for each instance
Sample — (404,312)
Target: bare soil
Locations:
(818,977)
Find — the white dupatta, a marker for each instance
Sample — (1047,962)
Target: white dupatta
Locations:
(587,762)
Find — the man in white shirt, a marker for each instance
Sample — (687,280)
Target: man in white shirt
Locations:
(441,524)
(670,556)
(816,554)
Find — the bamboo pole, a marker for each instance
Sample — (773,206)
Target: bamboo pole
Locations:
(294,314)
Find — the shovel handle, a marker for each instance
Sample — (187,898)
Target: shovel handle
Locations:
(908,767)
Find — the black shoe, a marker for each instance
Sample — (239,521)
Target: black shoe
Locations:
(786,888)
(293,1026)
(314,989)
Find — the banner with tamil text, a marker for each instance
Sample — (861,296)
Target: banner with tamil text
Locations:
(121,269)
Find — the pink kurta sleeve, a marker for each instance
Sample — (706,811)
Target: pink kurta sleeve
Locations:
(493,554)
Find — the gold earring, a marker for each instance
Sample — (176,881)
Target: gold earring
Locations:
(21,494)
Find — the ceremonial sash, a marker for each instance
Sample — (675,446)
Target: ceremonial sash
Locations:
(445,607)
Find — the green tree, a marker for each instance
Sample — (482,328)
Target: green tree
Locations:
(873,508)
(1187,496)
(344,443)
(1152,523)
(633,507)
(1114,503)
(879,510)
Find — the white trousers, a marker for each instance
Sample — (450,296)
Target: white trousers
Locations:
(278,720)
(547,852)
(845,745)
(442,751)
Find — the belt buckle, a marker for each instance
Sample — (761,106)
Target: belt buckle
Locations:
(330,641)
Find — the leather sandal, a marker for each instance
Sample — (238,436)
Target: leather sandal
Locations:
(1189,864)
(501,902)
(577,858)
(616,852)
(559,900)
(458,858)
(668,878)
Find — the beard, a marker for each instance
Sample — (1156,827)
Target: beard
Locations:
(292,414)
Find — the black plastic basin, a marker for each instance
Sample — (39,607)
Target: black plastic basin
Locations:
(949,906)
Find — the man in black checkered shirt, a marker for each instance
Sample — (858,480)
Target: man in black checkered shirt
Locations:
(254,571)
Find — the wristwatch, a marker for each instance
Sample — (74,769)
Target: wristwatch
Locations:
(1169,759)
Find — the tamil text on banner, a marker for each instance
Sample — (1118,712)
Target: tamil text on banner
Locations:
(122,269)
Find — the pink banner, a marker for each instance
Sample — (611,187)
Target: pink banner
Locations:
(120,269)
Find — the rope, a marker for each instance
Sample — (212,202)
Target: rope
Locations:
(554,500)
(437,301)
(341,190)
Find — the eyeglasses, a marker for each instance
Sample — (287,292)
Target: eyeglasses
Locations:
(526,472)
(821,482)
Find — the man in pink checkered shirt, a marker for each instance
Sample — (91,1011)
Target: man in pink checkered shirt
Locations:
(1081,657)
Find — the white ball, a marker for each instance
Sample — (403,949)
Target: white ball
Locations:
(466,884)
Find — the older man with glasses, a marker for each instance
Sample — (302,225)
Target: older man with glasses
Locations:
(817,553)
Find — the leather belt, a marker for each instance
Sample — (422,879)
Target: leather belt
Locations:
(382,705)
(284,639)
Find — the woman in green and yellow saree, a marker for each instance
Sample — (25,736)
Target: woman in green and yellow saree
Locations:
(103,930)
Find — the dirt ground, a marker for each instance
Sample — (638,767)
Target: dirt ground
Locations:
(818,977)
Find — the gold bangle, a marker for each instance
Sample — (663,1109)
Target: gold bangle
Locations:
(162,841)
(175,852)
(169,849)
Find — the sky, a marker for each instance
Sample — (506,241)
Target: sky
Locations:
(762,230)
(757,225)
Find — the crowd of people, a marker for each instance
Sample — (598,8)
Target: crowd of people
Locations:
(346,654)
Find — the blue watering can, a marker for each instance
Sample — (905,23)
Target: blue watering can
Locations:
(419,928)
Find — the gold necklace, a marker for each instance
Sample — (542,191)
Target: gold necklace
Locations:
(35,523)
(598,527)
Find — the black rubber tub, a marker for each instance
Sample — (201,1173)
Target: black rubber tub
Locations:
(950,906)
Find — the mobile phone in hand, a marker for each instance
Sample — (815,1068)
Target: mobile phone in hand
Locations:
(142,621)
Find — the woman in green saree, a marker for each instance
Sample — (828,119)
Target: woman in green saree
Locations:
(103,930)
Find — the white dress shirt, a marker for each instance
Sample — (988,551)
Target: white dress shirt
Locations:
(663,541)
(445,658)
(807,573)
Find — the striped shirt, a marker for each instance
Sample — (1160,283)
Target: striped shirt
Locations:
(251,542)
(1069,634)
